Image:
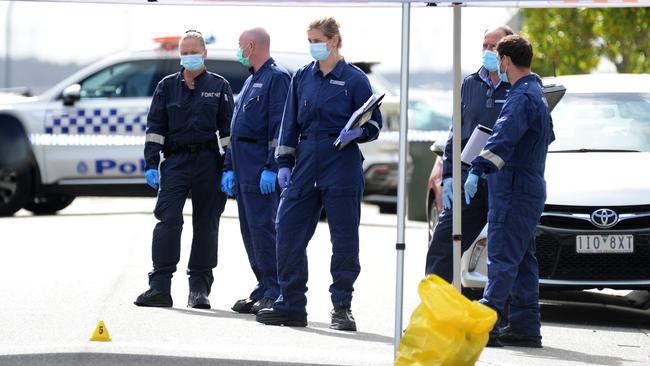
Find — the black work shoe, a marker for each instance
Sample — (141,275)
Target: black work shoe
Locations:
(274,317)
(494,342)
(154,298)
(198,300)
(243,306)
(263,303)
(510,337)
(342,319)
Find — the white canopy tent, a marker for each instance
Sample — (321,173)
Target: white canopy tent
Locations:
(404,87)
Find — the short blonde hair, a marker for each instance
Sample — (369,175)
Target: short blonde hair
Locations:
(193,34)
(329,26)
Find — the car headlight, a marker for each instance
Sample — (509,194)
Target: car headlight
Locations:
(477,250)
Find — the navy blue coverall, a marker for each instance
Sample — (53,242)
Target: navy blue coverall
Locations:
(183,124)
(514,159)
(481,104)
(317,108)
(253,138)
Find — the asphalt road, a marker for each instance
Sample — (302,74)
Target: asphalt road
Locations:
(60,275)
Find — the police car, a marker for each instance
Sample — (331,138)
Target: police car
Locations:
(85,135)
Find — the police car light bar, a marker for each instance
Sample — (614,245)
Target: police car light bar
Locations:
(170,43)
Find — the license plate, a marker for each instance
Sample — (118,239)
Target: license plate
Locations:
(605,243)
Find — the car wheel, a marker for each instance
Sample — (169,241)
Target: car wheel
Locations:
(15,189)
(433,219)
(49,204)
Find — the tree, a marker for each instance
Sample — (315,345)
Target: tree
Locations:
(626,39)
(572,41)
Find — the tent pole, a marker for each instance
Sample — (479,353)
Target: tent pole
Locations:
(456,141)
(401,187)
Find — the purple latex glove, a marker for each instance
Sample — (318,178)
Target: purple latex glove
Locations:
(284,177)
(353,134)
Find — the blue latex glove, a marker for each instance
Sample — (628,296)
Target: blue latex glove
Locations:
(347,136)
(228,183)
(471,186)
(152,178)
(447,193)
(267,182)
(284,177)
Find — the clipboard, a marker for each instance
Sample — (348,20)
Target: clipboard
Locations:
(553,94)
(360,116)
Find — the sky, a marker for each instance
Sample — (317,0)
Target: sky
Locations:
(82,33)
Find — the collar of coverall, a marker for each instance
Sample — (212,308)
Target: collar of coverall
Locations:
(197,77)
(337,71)
(264,66)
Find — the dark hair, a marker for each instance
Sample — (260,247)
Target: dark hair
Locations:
(518,48)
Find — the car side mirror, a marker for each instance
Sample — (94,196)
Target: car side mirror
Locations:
(438,147)
(71,94)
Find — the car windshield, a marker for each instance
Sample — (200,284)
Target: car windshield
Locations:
(602,121)
(429,116)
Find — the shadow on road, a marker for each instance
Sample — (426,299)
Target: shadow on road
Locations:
(552,353)
(313,327)
(108,359)
(588,309)
(323,329)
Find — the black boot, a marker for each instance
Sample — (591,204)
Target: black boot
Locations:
(510,337)
(243,306)
(274,317)
(263,303)
(154,298)
(494,341)
(198,300)
(342,319)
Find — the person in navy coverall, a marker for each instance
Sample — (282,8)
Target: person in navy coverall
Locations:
(315,175)
(189,122)
(483,95)
(514,159)
(250,170)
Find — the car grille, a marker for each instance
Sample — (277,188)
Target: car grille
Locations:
(556,247)
(642,222)
(557,257)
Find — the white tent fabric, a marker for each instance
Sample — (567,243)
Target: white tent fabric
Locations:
(404,81)
(484,3)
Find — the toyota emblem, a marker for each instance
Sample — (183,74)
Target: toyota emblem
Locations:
(604,218)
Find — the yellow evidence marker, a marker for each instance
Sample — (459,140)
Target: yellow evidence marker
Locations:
(101,333)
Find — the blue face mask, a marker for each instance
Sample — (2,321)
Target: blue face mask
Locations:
(503,76)
(319,51)
(192,62)
(243,60)
(490,61)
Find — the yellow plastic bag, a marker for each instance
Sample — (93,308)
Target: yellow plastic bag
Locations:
(446,329)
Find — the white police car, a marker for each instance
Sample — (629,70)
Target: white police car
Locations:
(85,135)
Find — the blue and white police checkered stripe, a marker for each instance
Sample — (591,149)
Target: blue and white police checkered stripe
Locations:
(94,126)
(104,121)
